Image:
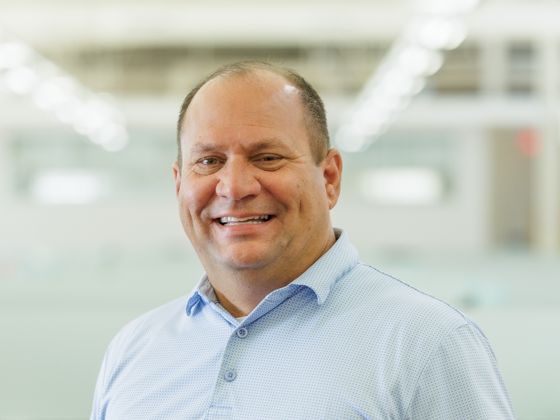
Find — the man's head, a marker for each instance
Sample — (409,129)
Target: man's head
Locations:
(315,116)
(254,188)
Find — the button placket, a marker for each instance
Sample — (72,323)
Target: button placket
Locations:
(242,332)
(230,375)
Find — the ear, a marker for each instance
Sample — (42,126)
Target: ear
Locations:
(177,177)
(332,173)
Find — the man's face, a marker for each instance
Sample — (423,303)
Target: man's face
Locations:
(250,194)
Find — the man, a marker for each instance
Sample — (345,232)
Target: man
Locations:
(286,323)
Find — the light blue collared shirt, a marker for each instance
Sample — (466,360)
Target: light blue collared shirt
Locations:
(342,341)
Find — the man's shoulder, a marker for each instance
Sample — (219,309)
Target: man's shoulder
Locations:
(149,324)
(378,295)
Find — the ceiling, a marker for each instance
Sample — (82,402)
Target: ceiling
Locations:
(56,24)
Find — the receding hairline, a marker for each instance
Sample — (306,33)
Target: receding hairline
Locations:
(259,77)
(313,109)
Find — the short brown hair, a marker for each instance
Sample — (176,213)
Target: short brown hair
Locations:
(315,118)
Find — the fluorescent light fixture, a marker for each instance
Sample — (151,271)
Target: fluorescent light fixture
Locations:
(24,72)
(13,54)
(404,186)
(438,25)
(112,137)
(437,32)
(66,187)
(418,60)
(53,92)
(396,84)
(354,137)
(20,80)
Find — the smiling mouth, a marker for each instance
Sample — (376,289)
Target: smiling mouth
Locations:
(234,221)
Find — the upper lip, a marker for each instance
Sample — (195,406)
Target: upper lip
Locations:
(241,216)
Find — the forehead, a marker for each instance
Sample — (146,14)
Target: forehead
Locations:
(249,108)
(257,94)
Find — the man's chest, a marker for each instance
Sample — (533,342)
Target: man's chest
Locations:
(256,372)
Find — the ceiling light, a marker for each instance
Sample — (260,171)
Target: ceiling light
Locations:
(112,137)
(414,56)
(55,91)
(13,54)
(20,80)
(437,32)
(25,72)
(419,60)
(66,187)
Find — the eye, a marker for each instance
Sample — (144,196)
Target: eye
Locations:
(208,161)
(207,165)
(268,161)
(270,158)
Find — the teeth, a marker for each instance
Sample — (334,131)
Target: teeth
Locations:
(237,220)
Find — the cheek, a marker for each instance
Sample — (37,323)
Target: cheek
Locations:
(304,189)
(314,198)
(195,196)
(302,196)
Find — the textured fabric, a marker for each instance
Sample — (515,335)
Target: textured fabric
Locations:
(342,341)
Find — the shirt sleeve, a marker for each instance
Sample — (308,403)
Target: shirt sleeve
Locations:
(97,410)
(461,381)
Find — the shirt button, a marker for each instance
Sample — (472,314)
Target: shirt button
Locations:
(230,375)
(242,332)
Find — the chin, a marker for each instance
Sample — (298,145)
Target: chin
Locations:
(245,264)
(245,261)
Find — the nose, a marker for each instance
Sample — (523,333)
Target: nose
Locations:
(237,180)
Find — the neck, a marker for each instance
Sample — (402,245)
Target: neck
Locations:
(240,295)
(240,291)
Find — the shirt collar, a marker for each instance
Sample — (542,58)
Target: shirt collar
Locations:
(330,267)
(201,295)
(319,277)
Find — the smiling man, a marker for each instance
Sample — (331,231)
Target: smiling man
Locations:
(286,323)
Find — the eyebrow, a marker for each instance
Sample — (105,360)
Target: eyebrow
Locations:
(253,147)
(203,147)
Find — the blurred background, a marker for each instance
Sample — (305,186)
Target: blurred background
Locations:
(447,112)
